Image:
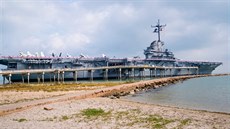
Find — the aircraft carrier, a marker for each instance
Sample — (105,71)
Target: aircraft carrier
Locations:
(155,55)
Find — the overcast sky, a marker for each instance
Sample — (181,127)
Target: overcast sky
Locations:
(196,29)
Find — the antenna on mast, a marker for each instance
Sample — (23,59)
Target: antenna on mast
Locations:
(157,29)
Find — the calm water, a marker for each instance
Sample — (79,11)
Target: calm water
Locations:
(207,93)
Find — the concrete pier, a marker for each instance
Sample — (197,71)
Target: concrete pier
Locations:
(122,71)
(4,80)
(106,74)
(23,78)
(120,74)
(58,76)
(170,72)
(75,75)
(28,78)
(54,77)
(63,76)
(43,77)
(90,75)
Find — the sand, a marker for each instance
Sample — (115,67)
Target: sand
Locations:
(121,114)
(9,97)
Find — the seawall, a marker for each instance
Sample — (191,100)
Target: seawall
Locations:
(131,88)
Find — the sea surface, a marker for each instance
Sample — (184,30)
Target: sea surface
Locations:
(206,93)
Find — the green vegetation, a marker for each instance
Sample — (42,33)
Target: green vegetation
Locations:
(130,81)
(20,120)
(50,87)
(93,112)
(184,122)
(49,119)
(65,117)
(157,121)
(130,118)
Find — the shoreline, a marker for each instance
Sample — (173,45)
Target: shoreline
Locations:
(67,111)
(170,103)
(152,84)
(112,92)
(177,107)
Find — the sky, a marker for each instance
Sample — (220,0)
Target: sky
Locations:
(195,29)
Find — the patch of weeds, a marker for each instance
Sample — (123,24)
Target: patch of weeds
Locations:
(49,119)
(157,121)
(130,81)
(136,111)
(158,126)
(51,87)
(20,120)
(134,120)
(121,114)
(64,117)
(93,112)
(184,122)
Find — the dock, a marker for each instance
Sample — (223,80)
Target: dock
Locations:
(61,76)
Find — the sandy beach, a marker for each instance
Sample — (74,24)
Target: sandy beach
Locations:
(9,97)
(118,114)
(66,111)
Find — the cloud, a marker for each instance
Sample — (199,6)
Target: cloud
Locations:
(195,30)
(58,43)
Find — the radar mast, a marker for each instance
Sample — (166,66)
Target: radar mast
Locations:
(158,29)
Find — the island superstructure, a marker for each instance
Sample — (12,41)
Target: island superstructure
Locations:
(155,55)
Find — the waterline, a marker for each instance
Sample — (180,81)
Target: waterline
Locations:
(209,93)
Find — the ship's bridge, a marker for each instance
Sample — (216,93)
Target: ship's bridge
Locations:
(156,50)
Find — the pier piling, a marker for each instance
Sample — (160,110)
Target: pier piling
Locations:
(54,77)
(106,74)
(120,71)
(75,75)
(133,73)
(23,78)
(120,74)
(4,80)
(38,77)
(28,78)
(43,77)
(58,76)
(63,76)
(91,75)
(10,79)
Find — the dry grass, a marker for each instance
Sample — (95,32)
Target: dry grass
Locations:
(127,118)
(51,87)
